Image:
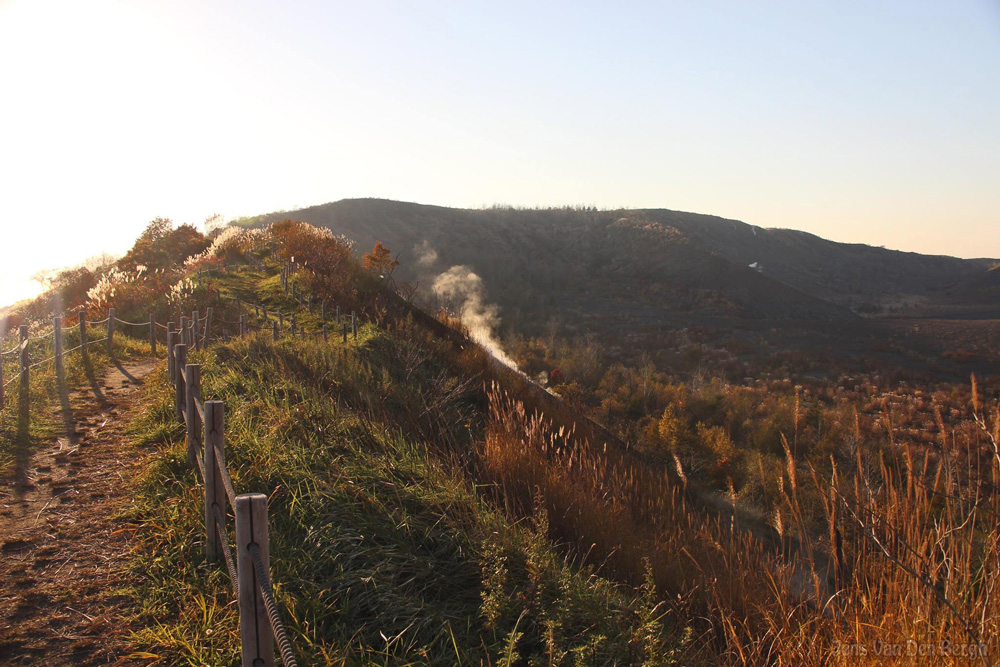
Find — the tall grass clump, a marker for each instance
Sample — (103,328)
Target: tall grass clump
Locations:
(906,561)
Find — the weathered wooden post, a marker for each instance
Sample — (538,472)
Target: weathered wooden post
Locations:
(111,328)
(256,310)
(322,311)
(354,324)
(293,325)
(243,325)
(338,314)
(171,343)
(180,360)
(208,324)
(192,391)
(281,319)
(274,331)
(82,315)
(25,362)
(324,334)
(256,639)
(194,330)
(183,331)
(152,333)
(215,490)
(57,344)
(345,331)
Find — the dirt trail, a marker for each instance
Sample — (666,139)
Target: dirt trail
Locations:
(62,551)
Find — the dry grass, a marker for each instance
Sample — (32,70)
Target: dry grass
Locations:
(904,564)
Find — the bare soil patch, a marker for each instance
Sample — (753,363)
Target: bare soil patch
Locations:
(62,549)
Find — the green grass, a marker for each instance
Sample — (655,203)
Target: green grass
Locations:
(21,433)
(382,551)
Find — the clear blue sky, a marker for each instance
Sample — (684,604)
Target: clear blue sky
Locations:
(875,122)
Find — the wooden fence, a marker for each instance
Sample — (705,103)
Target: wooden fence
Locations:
(249,572)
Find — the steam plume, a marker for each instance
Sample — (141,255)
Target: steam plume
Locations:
(461,288)
(426,255)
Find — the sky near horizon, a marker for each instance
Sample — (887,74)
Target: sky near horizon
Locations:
(870,122)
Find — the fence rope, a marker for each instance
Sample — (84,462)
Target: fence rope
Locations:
(201,467)
(13,350)
(132,324)
(10,381)
(264,582)
(44,336)
(43,361)
(162,326)
(104,321)
(227,551)
(227,483)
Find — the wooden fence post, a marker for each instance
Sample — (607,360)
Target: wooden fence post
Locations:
(322,311)
(345,331)
(274,331)
(194,330)
(338,314)
(180,360)
(111,328)
(57,344)
(354,324)
(171,343)
(243,325)
(293,325)
(83,328)
(192,392)
(23,356)
(215,461)
(208,323)
(152,333)
(324,333)
(281,319)
(182,339)
(255,631)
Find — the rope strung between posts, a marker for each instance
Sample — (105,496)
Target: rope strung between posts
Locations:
(227,551)
(44,361)
(44,336)
(104,321)
(132,324)
(162,326)
(13,350)
(264,582)
(227,482)
(10,381)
